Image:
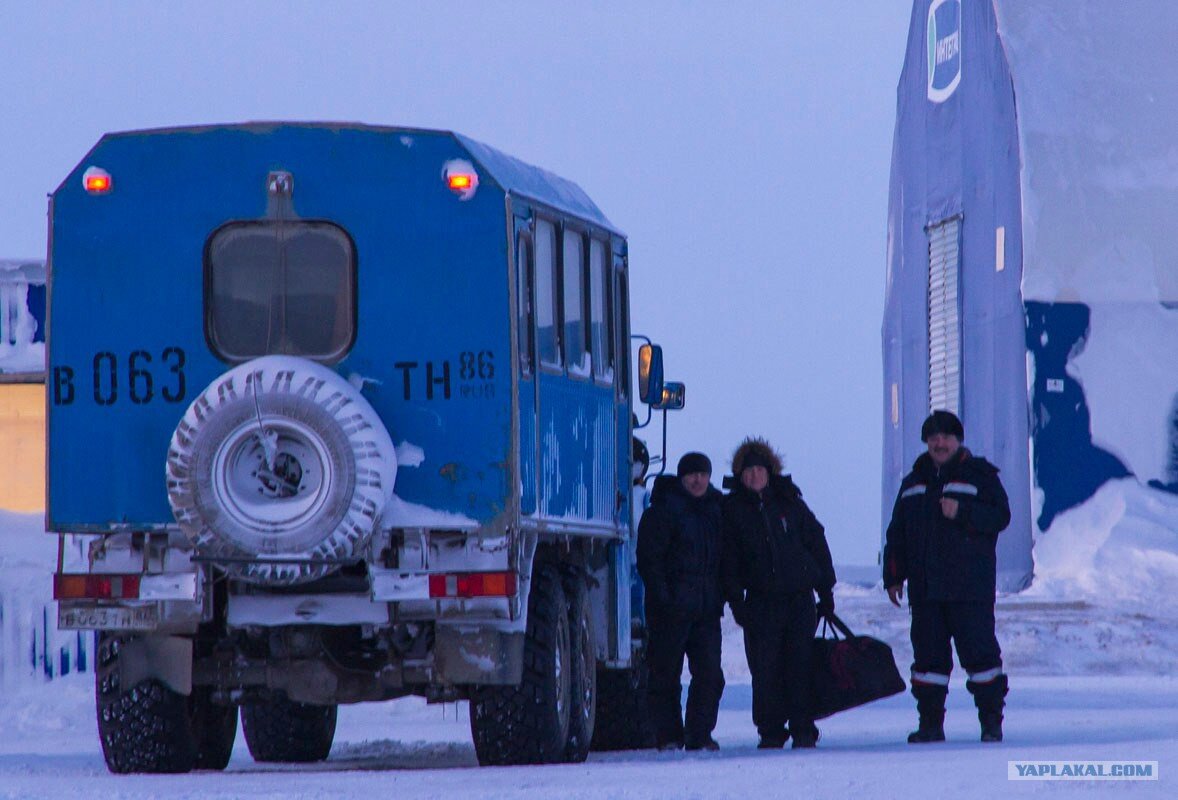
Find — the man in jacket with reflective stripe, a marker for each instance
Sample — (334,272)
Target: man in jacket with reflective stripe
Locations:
(941,540)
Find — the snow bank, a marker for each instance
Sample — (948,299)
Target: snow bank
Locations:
(1119,546)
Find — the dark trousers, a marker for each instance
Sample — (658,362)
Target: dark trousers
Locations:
(970,625)
(672,639)
(779,641)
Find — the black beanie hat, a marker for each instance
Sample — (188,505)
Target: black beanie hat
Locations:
(694,462)
(942,422)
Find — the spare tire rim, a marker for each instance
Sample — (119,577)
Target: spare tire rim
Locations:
(272,473)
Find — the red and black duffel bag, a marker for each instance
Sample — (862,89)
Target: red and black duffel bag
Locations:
(850,670)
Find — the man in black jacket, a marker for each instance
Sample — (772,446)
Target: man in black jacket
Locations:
(941,539)
(679,561)
(775,559)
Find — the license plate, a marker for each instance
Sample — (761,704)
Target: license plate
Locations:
(108,618)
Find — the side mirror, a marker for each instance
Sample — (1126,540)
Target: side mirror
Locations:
(650,374)
(674,397)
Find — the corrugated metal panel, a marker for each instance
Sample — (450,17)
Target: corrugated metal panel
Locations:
(944,318)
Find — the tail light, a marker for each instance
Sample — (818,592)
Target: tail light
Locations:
(473,584)
(95,587)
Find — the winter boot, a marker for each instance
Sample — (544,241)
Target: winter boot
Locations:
(704,743)
(989,697)
(773,740)
(805,734)
(930,704)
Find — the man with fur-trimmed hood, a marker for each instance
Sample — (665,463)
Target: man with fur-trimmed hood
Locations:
(775,558)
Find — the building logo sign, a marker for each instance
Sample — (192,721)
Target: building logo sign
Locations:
(944,49)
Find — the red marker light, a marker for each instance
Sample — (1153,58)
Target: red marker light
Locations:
(460,183)
(96,180)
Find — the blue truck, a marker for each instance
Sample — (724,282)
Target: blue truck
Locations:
(342,413)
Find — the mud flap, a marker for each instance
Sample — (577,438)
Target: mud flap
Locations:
(466,655)
(168,659)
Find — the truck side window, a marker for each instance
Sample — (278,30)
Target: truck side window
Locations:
(280,288)
(600,313)
(525,275)
(547,333)
(573,261)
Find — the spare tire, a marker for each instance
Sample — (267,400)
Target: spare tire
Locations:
(279,471)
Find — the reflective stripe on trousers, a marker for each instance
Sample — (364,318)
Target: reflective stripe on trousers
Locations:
(985,676)
(932,678)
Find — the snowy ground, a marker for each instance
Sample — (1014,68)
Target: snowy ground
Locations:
(1092,650)
(1102,695)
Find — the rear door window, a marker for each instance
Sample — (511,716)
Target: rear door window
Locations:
(281,287)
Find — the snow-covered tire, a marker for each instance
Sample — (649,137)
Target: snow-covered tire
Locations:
(583,673)
(623,721)
(279,729)
(529,723)
(143,728)
(278,467)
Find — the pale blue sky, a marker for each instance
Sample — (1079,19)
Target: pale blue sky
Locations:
(743,147)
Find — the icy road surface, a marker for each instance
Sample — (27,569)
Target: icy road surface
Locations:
(1087,683)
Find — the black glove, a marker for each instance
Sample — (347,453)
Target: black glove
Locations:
(825,604)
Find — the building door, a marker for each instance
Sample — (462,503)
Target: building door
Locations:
(944,316)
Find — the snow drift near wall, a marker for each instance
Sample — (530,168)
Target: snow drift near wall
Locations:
(1119,546)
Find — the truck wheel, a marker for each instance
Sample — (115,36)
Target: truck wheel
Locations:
(145,727)
(279,461)
(215,727)
(529,723)
(282,730)
(583,675)
(623,721)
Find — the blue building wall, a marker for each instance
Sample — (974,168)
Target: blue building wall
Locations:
(956,155)
(1034,120)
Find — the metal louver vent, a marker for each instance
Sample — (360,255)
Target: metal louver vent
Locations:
(944,316)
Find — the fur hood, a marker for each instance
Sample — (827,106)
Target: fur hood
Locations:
(756,444)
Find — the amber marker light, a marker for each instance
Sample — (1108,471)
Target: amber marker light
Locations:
(460,178)
(96,180)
